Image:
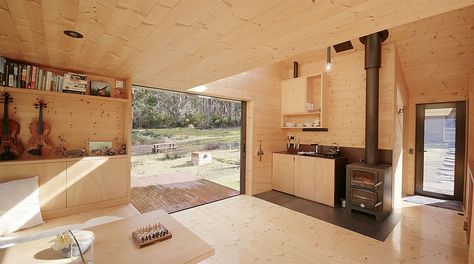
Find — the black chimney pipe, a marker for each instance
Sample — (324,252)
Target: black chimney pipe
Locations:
(295,69)
(373,61)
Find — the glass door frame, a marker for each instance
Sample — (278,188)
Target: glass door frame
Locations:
(460,149)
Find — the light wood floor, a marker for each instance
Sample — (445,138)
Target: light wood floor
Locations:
(245,229)
(118,211)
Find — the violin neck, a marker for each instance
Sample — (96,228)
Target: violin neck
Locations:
(6,121)
(40,120)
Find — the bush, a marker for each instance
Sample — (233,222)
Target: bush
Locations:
(173,155)
(211,146)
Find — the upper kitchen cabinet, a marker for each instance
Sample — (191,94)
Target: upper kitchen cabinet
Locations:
(293,95)
(302,102)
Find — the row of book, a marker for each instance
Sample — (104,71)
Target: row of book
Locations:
(19,75)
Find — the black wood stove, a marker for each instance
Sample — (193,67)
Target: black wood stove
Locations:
(369,184)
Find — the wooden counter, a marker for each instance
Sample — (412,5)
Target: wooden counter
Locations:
(114,244)
(317,179)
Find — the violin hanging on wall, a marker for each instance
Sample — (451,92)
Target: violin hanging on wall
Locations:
(10,147)
(39,143)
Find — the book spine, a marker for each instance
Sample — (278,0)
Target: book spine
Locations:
(18,76)
(48,80)
(28,76)
(33,77)
(11,77)
(15,75)
(61,81)
(53,83)
(2,71)
(43,82)
(24,76)
(40,80)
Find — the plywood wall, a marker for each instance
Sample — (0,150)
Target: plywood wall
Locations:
(75,118)
(470,119)
(400,129)
(449,89)
(261,89)
(346,99)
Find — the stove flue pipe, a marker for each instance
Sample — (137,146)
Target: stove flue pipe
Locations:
(373,62)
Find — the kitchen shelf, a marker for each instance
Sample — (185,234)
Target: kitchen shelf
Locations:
(315,129)
(297,127)
(305,113)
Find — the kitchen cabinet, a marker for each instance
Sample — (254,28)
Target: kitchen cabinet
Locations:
(314,179)
(70,186)
(283,173)
(305,177)
(325,181)
(295,94)
(98,180)
(52,181)
(317,179)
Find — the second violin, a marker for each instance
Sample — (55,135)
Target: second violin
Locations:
(39,143)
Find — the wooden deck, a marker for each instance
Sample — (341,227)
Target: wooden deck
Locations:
(175,192)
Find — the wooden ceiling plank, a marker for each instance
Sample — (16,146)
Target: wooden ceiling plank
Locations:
(185,43)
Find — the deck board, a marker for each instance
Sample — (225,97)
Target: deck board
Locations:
(175,192)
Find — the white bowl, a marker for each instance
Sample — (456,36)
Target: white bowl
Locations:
(288,124)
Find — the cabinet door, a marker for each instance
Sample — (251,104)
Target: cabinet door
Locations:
(293,96)
(305,177)
(52,181)
(324,189)
(283,173)
(96,180)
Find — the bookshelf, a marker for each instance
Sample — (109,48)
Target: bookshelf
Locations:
(49,94)
(79,184)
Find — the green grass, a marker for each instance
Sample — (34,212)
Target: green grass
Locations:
(195,136)
(221,143)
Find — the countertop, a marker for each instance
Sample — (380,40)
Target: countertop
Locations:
(294,154)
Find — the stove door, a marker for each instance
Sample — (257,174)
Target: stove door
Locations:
(364,198)
(365,179)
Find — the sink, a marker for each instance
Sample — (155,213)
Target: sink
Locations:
(331,155)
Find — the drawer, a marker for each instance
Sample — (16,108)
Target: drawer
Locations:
(364,198)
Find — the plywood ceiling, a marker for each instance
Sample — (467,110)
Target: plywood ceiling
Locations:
(181,44)
(437,53)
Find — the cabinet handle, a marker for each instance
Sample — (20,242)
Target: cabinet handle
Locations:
(378,184)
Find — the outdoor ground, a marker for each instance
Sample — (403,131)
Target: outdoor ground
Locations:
(222,144)
(436,179)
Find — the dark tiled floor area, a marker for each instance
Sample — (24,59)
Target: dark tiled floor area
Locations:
(357,222)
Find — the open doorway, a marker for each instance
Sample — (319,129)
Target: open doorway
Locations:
(186,149)
(440,145)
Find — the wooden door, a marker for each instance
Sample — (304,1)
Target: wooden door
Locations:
(305,177)
(96,180)
(293,95)
(324,188)
(283,173)
(440,150)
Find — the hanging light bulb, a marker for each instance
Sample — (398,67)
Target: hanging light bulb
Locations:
(328,66)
